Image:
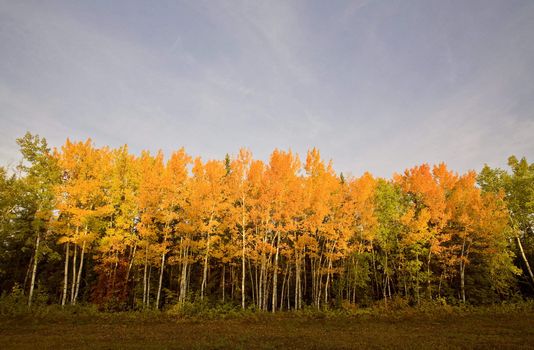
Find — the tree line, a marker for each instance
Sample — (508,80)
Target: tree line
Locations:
(103,226)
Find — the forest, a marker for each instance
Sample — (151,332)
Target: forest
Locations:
(102,226)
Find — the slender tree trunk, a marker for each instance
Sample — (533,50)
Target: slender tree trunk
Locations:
(275,273)
(429,284)
(525,260)
(232,277)
(34,270)
(205,270)
(462,281)
(317,280)
(257,285)
(28,273)
(73,283)
(160,279)
(114,275)
(283,287)
(320,281)
(288,289)
(223,282)
(376,288)
(243,233)
(297,280)
(462,273)
(329,268)
(79,274)
(148,287)
(313,273)
(385,284)
(261,286)
(417,280)
(189,274)
(65,278)
(251,282)
(327,283)
(130,264)
(145,274)
(183,279)
(304,277)
(181,253)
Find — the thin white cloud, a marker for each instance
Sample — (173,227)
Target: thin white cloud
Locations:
(388,87)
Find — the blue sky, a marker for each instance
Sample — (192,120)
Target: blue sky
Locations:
(377,86)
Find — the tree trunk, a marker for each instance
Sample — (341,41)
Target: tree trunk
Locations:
(232,278)
(329,268)
(386,282)
(297,281)
(417,280)
(160,279)
(327,283)
(261,289)
(148,287)
(288,289)
(28,273)
(114,275)
(223,281)
(127,278)
(462,273)
(205,270)
(462,281)
(34,270)
(145,276)
(243,233)
(251,282)
(284,287)
(183,279)
(65,278)
(73,283)
(275,273)
(79,274)
(429,284)
(525,260)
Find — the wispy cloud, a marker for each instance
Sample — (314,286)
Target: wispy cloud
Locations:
(375,85)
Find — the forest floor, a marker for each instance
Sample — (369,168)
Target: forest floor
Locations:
(438,330)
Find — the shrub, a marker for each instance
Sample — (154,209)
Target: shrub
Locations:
(14,303)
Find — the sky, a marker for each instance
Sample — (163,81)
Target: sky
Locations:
(377,86)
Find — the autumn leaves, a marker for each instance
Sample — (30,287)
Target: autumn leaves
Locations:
(146,231)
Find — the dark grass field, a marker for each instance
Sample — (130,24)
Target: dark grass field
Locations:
(478,330)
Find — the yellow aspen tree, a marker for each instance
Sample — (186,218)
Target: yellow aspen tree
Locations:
(239,194)
(208,198)
(151,171)
(282,180)
(175,193)
(464,206)
(427,197)
(259,213)
(359,206)
(321,183)
(82,197)
(118,245)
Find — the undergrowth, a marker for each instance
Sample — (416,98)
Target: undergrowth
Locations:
(14,305)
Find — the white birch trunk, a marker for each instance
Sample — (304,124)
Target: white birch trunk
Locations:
(79,274)
(275,273)
(73,283)
(525,260)
(160,279)
(66,277)
(34,269)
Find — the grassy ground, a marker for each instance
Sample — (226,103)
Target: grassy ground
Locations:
(470,330)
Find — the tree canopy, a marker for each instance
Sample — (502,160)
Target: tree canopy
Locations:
(105,226)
